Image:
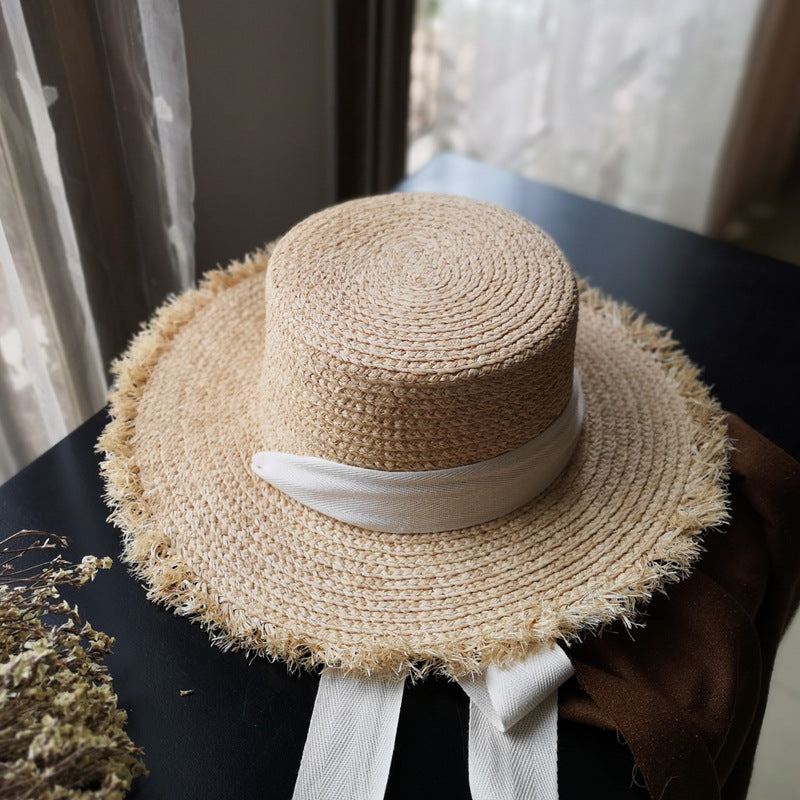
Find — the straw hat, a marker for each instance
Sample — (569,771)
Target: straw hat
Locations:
(408,333)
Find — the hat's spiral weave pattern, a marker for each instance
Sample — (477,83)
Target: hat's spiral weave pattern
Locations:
(436,334)
(214,541)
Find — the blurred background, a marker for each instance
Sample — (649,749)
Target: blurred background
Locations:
(143,142)
(683,111)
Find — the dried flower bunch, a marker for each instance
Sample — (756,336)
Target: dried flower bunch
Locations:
(61,733)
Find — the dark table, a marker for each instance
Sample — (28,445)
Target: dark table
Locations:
(241,733)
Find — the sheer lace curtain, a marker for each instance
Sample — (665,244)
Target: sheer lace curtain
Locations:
(62,283)
(626,102)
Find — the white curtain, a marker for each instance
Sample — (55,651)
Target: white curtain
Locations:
(625,101)
(52,375)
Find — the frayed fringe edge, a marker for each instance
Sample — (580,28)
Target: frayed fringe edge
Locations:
(148,550)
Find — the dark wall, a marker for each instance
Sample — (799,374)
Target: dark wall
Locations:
(261,90)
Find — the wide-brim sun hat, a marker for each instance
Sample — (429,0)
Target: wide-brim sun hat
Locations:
(408,335)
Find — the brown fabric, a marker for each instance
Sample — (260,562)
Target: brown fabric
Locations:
(687,692)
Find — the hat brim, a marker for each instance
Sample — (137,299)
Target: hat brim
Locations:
(269,575)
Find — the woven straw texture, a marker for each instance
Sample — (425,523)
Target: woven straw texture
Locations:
(406,332)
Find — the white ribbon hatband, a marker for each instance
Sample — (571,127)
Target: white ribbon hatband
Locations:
(430,500)
(513,747)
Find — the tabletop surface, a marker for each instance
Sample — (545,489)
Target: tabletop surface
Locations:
(241,733)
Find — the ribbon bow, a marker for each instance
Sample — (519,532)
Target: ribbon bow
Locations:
(512,732)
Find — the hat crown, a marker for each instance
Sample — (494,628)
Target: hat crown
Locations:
(415,332)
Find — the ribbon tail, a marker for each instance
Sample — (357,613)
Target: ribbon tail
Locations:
(513,728)
(519,764)
(350,741)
